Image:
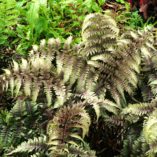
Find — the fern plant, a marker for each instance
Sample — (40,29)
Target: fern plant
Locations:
(65,88)
(114,55)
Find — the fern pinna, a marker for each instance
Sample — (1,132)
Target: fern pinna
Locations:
(64,89)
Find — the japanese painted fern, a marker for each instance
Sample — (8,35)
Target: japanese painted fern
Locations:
(60,85)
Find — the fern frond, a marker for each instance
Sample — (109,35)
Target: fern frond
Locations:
(8,129)
(140,109)
(150,68)
(23,108)
(134,146)
(29,78)
(36,144)
(69,126)
(81,151)
(73,151)
(98,103)
(115,120)
(149,132)
(150,127)
(99,32)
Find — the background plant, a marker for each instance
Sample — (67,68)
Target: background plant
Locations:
(30,21)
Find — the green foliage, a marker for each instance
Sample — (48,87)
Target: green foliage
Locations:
(25,23)
(9,19)
(121,1)
(130,19)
